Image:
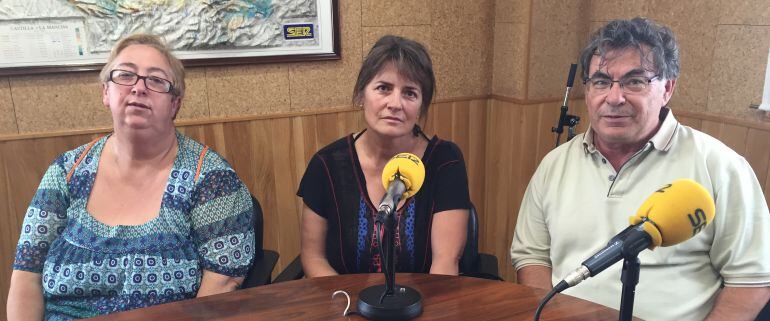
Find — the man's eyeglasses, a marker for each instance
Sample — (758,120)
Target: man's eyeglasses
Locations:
(129,78)
(629,85)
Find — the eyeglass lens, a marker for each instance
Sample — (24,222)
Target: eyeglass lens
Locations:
(128,78)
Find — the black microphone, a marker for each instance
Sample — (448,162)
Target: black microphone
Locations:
(402,176)
(669,216)
(627,243)
(392,196)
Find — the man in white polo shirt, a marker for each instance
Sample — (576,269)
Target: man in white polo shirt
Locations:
(584,191)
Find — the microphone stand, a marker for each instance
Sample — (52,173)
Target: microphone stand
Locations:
(565,119)
(629,275)
(389,301)
(630,278)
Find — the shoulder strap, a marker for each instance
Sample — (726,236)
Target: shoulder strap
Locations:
(81,157)
(200,163)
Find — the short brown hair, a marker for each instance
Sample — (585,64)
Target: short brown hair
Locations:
(177,69)
(409,57)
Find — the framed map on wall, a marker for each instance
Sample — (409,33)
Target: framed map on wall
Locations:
(44,36)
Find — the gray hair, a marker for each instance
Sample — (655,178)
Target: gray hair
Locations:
(634,33)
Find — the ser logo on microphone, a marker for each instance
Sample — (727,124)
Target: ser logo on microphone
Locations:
(408,156)
(698,221)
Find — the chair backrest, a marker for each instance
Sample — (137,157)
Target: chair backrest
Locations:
(258,229)
(469,261)
(264,261)
(764,314)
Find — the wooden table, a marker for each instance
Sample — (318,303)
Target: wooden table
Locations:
(444,298)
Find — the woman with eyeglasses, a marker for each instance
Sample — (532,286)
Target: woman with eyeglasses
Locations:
(139,217)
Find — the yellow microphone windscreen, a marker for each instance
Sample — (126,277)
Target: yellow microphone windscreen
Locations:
(410,169)
(678,211)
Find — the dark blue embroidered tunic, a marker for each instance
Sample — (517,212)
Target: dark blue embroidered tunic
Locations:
(89,268)
(335,188)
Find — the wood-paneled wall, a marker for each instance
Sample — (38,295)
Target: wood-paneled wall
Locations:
(502,140)
(518,137)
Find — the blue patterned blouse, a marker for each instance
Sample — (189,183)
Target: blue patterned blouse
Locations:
(89,268)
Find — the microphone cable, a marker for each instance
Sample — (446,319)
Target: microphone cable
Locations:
(383,266)
(557,289)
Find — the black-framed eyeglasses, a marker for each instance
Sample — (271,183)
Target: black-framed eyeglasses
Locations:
(130,78)
(629,85)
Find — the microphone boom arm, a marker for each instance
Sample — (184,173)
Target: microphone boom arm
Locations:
(565,119)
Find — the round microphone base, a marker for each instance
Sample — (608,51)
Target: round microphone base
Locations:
(404,304)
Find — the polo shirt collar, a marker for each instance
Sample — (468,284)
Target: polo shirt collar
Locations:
(660,141)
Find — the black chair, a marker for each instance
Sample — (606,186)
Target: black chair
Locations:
(472,263)
(293,271)
(264,260)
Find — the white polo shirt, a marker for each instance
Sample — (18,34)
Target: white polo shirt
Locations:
(576,202)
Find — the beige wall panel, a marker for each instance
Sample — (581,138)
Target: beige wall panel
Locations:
(739,63)
(712,128)
(688,121)
(349,123)
(606,10)
(7,114)
(327,130)
(462,47)
(513,11)
(421,34)
(215,137)
(316,85)
(199,133)
(460,125)
(247,90)
(758,153)
(524,164)
(475,157)
(195,104)
(285,218)
(56,102)
(549,117)
(694,25)
(301,157)
(395,12)
(510,59)
(734,136)
(502,140)
(443,116)
(309,136)
(554,46)
(326,84)
(745,12)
